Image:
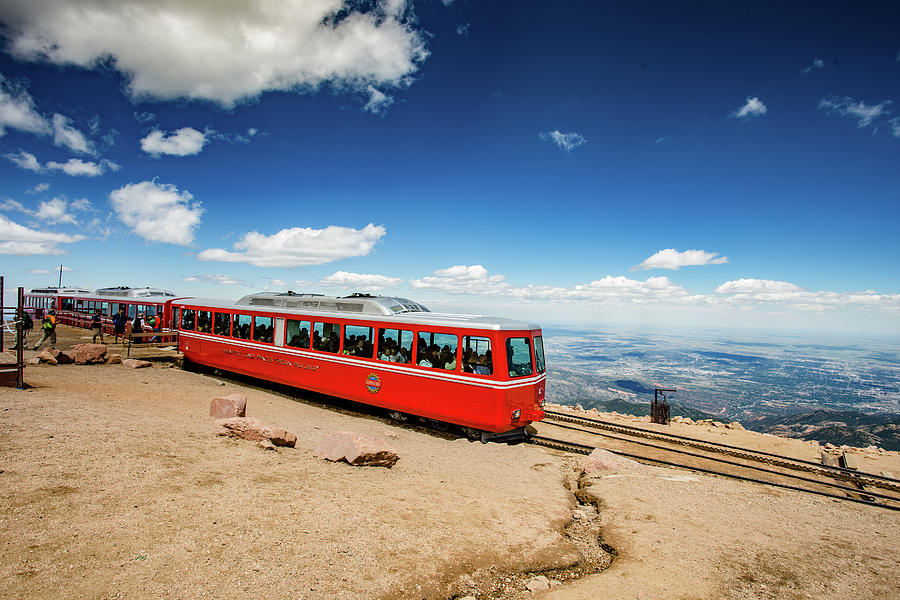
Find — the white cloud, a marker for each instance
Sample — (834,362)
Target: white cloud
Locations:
(76,167)
(463,29)
(895,126)
(847,107)
(673,260)
(183,142)
(17,110)
(66,136)
(299,246)
(752,108)
(360,281)
(55,211)
(224,52)
(39,188)
(81,204)
(10,204)
(157,212)
(463,279)
(817,63)
(378,101)
(23,241)
(37,271)
(566,141)
(25,160)
(756,292)
(217,278)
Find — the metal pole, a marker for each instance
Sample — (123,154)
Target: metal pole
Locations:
(20,341)
(2,311)
(60,275)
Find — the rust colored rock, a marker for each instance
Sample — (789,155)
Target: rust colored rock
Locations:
(62,357)
(136,364)
(232,405)
(89,354)
(248,428)
(46,357)
(357,449)
(603,461)
(114,359)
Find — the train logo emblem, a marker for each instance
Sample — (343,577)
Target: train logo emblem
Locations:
(373,383)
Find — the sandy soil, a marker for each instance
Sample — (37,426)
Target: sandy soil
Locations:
(113,486)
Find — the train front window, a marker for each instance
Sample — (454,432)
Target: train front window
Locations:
(242,324)
(204,321)
(358,341)
(297,333)
(188,317)
(327,337)
(222,324)
(436,350)
(518,357)
(539,353)
(395,345)
(477,357)
(263,329)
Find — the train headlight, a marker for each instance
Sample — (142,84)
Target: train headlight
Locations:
(516,414)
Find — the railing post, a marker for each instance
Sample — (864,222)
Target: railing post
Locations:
(20,339)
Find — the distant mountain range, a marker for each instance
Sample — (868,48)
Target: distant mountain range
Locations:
(838,427)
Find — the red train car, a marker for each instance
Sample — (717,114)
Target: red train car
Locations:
(485,374)
(74,306)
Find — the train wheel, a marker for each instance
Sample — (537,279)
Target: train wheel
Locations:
(472,433)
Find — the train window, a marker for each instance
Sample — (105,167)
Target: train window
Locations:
(298,333)
(395,345)
(436,350)
(204,321)
(476,355)
(539,353)
(79,306)
(241,327)
(263,328)
(358,341)
(176,314)
(327,337)
(187,317)
(150,310)
(104,306)
(518,357)
(222,324)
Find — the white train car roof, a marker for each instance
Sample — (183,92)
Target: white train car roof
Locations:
(362,307)
(61,291)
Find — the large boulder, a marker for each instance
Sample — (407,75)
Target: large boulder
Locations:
(136,364)
(46,357)
(232,405)
(89,354)
(114,359)
(248,428)
(357,449)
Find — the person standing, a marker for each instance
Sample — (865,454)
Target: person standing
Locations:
(27,326)
(97,326)
(138,327)
(48,330)
(119,324)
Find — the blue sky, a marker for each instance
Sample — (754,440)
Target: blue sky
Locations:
(641,163)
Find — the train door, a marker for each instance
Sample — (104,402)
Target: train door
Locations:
(279,331)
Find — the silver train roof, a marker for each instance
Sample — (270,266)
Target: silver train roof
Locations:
(362,306)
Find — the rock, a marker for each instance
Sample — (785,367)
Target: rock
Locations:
(62,357)
(602,461)
(537,584)
(136,364)
(357,449)
(224,407)
(266,445)
(248,428)
(46,357)
(688,421)
(736,425)
(579,407)
(89,354)
(34,360)
(114,359)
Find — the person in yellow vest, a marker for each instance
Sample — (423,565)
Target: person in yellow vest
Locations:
(48,330)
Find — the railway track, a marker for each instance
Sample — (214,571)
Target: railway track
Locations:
(722,459)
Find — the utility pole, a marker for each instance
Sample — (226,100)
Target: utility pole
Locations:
(60,275)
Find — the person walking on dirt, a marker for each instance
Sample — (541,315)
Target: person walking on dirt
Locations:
(27,326)
(97,326)
(48,330)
